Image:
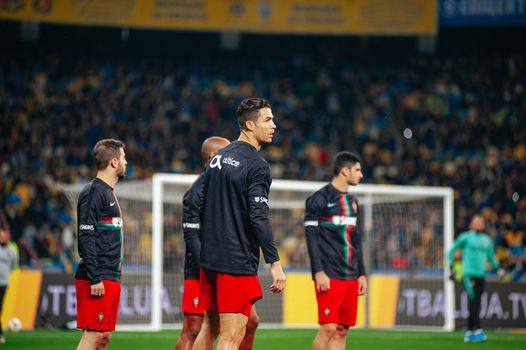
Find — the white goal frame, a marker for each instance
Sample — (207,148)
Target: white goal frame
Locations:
(365,190)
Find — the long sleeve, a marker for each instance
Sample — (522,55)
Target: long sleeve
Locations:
(459,243)
(357,232)
(88,213)
(359,247)
(491,255)
(14,260)
(313,215)
(191,219)
(259,181)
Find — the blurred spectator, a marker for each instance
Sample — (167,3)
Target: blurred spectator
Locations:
(428,121)
(516,257)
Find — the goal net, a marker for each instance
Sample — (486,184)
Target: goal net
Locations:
(406,231)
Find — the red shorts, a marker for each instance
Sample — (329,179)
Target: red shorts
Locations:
(191,304)
(339,304)
(228,293)
(97,313)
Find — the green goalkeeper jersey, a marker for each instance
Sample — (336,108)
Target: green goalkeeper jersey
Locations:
(477,248)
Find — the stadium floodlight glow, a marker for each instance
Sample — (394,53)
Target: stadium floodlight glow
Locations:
(412,220)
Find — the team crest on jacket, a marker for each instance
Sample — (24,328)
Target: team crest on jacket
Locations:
(116,221)
(100,316)
(196,301)
(327,311)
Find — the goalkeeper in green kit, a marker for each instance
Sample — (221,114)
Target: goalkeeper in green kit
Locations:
(477,248)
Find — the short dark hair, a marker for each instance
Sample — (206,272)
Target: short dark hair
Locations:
(105,150)
(342,160)
(249,108)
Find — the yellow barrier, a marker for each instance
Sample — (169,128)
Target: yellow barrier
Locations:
(22,298)
(299,302)
(383,302)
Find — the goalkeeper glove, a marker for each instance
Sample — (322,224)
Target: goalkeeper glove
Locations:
(452,274)
(501,272)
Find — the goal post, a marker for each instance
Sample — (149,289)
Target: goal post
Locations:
(158,182)
(404,291)
(289,196)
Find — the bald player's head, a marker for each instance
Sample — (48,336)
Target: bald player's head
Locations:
(477,223)
(211,145)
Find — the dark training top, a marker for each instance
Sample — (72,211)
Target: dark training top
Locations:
(333,240)
(191,229)
(100,235)
(234,211)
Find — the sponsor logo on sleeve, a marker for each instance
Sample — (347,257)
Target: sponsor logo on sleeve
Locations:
(311,223)
(191,225)
(86,227)
(261,200)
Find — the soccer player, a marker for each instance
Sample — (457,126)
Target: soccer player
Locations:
(193,312)
(477,248)
(100,246)
(235,225)
(335,251)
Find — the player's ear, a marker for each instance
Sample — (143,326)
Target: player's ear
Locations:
(250,125)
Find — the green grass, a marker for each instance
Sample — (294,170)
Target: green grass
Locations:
(274,339)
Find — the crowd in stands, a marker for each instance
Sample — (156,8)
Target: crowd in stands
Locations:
(456,122)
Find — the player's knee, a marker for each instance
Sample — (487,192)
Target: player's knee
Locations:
(238,337)
(210,329)
(193,331)
(233,335)
(104,338)
(328,330)
(341,331)
(252,324)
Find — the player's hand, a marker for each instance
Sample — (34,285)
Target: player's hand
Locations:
(452,274)
(97,290)
(323,282)
(362,285)
(278,277)
(501,273)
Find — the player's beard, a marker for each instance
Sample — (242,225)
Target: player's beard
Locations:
(352,183)
(121,174)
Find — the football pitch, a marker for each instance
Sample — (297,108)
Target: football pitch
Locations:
(274,339)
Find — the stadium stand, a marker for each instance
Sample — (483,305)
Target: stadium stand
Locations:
(429,120)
